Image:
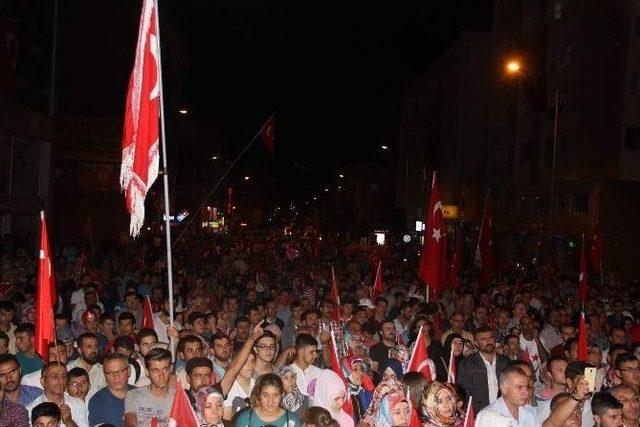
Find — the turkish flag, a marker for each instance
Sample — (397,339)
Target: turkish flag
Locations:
(181,413)
(433,259)
(526,357)
(484,250)
(582,278)
(470,416)
(267,133)
(335,367)
(45,296)
(335,297)
(140,155)
(582,339)
(419,361)
(147,320)
(377,283)
(415,419)
(596,251)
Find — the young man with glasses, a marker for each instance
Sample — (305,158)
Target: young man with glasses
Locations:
(107,405)
(265,349)
(628,369)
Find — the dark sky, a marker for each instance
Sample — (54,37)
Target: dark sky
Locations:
(333,72)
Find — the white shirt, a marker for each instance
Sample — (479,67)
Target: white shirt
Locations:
(492,378)
(96,376)
(237,391)
(534,355)
(77,406)
(498,415)
(544,410)
(32,379)
(303,378)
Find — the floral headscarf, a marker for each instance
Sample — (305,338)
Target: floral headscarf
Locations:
(384,388)
(384,417)
(430,405)
(294,400)
(203,396)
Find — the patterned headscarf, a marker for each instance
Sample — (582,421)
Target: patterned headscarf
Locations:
(203,396)
(430,405)
(384,388)
(384,417)
(294,400)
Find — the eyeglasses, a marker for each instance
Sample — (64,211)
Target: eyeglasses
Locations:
(79,383)
(118,372)
(8,373)
(635,371)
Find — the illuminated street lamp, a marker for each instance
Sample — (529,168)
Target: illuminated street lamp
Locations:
(183,111)
(513,67)
(247,178)
(341,176)
(384,147)
(214,158)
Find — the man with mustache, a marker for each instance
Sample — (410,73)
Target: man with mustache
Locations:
(478,373)
(88,360)
(10,380)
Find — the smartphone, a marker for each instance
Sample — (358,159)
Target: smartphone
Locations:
(590,378)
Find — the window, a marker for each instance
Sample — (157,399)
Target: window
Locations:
(633,81)
(580,204)
(632,138)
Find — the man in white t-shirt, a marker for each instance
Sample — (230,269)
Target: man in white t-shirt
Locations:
(303,366)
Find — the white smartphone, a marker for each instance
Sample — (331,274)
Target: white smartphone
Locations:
(590,378)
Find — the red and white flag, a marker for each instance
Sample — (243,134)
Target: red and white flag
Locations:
(335,367)
(596,251)
(147,320)
(484,250)
(268,135)
(45,332)
(451,376)
(140,155)
(583,347)
(335,297)
(582,278)
(419,361)
(433,259)
(181,414)
(470,416)
(377,283)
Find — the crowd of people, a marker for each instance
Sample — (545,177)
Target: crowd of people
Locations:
(256,329)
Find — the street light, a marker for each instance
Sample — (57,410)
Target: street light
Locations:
(341,176)
(513,66)
(183,111)
(214,158)
(246,178)
(384,147)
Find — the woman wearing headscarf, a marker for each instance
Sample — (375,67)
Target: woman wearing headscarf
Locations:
(359,385)
(440,406)
(210,409)
(394,411)
(454,343)
(293,399)
(391,372)
(331,394)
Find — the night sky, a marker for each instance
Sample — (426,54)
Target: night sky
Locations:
(333,73)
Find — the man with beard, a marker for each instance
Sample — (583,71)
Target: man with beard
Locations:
(54,380)
(88,360)
(220,353)
(10,378)
(478,373)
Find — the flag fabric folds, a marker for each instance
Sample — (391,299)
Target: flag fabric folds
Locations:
(433,259)
(582,339)
(181,414)
(419,361)
(470,416)
(335,367)
(45,332)
(484,250)
(377,283)
(268,135)
(147,320)
(140,154)
(335,297)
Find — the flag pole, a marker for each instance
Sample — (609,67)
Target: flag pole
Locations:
(165,179)
(484,213)
(224,175)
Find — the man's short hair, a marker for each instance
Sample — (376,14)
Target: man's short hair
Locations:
(624,358)
(568,343)
(124,341)
(305,340)
(115,356)
(482,330)
(4,336)
(7,305)
(521,364)
(383,299)
(198,362)
(107,316)
(219,336)
(240,319)
(509,370)
(601,402)
(4,358)
(553,360)
(126,315)
(45,409)
(48,366)
(27,327)
(146,332)
(196,315)
(86,336)
(156,355)
(130,293)
(574,369)
(308,313)
(76,373)
(555,401)
(187,339)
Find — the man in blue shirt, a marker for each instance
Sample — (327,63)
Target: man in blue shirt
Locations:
(107,405)
(10,378)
